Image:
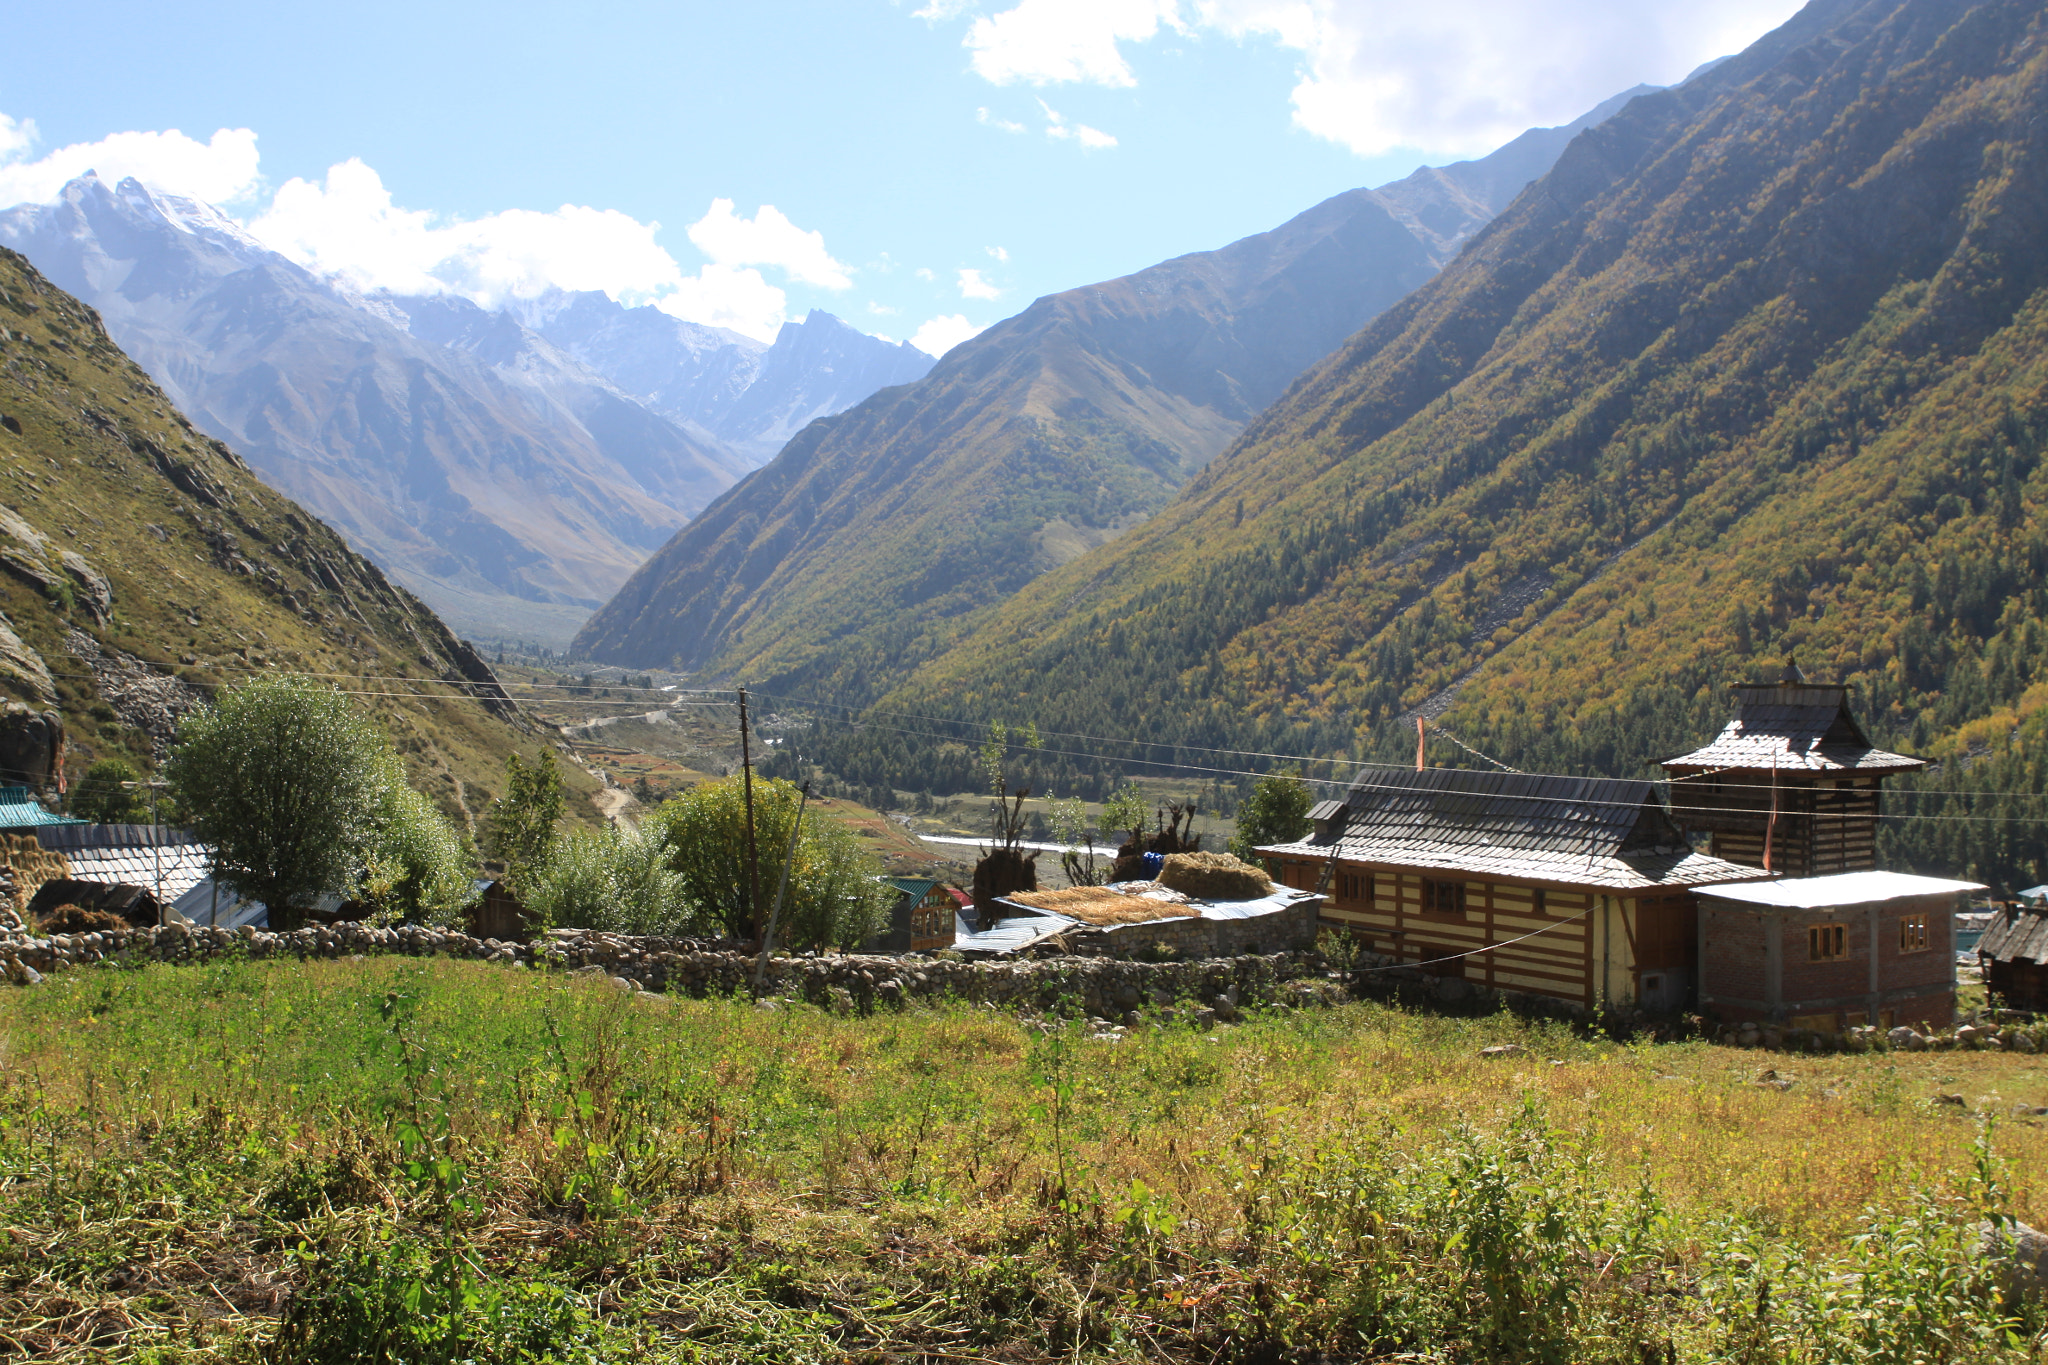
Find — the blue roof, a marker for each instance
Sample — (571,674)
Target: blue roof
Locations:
(19,809)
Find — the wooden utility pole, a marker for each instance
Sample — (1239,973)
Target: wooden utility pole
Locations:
(753,853)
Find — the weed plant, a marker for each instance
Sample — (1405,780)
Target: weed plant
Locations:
(432,1161)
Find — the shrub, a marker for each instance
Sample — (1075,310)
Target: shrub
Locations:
(415,867)
(835,897)
(615,880)
(101,798)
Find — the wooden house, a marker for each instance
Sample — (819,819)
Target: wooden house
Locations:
(2014,952)
(1575,888)
(1791,786)
(1826,952)
(921,920)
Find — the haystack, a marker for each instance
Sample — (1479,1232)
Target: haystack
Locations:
(1214,877)
(1100,906)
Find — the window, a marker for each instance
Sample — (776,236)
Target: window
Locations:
(1443,898)
(1354,886)
(1826,942)
(1542,899)
(1913,934)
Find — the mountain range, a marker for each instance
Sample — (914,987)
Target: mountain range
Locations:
(510,483)
(717,383)
(143,565)
(857,550)
(1757,372)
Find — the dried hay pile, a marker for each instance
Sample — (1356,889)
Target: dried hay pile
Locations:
(1098,905)
(1214,877)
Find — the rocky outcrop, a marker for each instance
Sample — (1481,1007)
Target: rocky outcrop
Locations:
(31,745)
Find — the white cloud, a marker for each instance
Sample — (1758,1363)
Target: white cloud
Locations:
(768,238)
(882,310)
(973,286)
(940,335)
(1001,124)
(926,275)
(729,296)
(16,136)
(1057,127)
(348,226)
(221,170)
(1459,76)
(998,253)
(1039,42)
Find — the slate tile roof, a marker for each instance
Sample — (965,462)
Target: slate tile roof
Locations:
(1793,727)
(129,855)
(2016,935)
(1526,826)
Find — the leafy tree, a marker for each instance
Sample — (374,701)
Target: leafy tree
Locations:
(1275,813)
(101,797)
(1070,827)
(287,782)
(416,867)
(1122,813)
(835,896)
(519,830)
(612,879)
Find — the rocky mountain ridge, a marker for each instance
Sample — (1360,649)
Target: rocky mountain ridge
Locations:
(143,564)
(493,472)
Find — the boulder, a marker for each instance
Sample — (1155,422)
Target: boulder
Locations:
(2016,1255)
(31,742)
(1904,1039)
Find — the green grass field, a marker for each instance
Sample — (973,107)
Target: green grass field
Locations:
(394,1159)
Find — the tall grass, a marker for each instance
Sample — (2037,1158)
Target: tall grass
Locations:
(412,1160)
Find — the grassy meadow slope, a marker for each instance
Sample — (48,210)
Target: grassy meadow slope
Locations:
(455,1161)
(1760,368)
(209,577)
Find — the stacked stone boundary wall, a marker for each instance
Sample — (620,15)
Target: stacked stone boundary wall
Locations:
(1103,987)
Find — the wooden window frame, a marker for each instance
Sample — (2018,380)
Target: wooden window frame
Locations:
(1436,891)
(1913,935)
(1827,942)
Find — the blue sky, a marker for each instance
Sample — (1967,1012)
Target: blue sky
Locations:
(1035,145)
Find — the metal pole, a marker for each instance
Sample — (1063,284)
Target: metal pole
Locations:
(753,850)
(788,861)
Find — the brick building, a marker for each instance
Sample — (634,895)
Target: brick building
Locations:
(1827,952)
(1580,889)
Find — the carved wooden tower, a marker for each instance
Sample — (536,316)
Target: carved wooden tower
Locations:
(1792,785)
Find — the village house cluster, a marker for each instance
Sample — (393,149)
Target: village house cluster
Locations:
(1750,894)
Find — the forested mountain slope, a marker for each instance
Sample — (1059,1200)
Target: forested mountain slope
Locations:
(142,564)
(1759,369)
(854,552)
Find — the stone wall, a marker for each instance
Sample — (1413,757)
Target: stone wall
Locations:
(1097,986)
(1293,929)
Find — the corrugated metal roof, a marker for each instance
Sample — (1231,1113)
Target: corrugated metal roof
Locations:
(2034,893)
(1532,826)
(19,809)
(1841,889)
(1032,924)
(1794,727)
